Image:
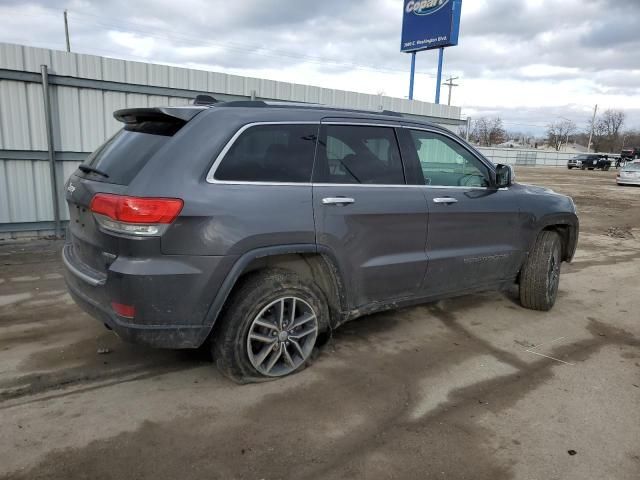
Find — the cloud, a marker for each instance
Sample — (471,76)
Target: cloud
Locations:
(519,57)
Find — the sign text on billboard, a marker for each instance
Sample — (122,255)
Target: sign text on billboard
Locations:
(428,24)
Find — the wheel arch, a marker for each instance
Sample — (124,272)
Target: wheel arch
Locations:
(566,226)
(306,260)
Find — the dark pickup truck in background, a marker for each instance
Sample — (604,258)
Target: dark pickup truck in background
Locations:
(628,154)
(590,161)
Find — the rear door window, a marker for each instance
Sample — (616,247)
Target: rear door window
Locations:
(352,154)
(281,153)
(123,155)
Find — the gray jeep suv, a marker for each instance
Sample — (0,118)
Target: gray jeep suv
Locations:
(259,227)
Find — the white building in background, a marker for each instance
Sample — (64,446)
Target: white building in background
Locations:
(85,90)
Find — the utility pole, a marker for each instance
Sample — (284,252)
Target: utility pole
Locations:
(66,31)
(593,124)
(468,129)
(449,83)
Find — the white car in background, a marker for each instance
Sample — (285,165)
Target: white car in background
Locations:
(629,174)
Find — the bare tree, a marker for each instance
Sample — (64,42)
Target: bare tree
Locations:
(630,139)
(478,130)
(488,131)
(599,137)
(612,121)
(607,130)
(497,133)
(558,133)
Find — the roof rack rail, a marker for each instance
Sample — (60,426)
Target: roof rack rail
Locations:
(244,103)
(283,104)
(391,113)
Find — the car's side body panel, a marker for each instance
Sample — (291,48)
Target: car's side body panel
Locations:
(473,241)
(379,239)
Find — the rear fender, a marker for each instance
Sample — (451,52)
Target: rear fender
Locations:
(240,267)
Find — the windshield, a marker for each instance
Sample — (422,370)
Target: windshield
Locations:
(632,166)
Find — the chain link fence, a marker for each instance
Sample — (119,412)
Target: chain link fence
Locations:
(530,157)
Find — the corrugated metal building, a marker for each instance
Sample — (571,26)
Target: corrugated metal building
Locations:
(84,92)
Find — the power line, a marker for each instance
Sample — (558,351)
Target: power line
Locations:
(258,50)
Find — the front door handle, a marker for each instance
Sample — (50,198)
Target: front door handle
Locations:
(446,200)
(337,201)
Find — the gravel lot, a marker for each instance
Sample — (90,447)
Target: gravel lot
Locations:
(474,387)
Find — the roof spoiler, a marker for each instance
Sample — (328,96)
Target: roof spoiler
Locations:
(157,114)
(204,100)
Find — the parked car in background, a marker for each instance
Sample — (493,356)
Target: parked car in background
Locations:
(630,154)
(629,174)
(257,228)
(589,161)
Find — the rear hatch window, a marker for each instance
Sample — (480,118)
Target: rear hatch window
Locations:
(121,157)
(146,130)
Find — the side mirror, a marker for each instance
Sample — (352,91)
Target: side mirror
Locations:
(504,176)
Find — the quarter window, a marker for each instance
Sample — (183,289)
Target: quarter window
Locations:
(444,162)
(271,153)
(358,154)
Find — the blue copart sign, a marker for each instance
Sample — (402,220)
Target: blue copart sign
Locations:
(428,24)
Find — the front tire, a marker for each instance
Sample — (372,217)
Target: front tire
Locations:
(540,274)
(269,327)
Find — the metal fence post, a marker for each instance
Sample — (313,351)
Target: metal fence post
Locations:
(51,148)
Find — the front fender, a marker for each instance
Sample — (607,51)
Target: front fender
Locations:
(567,225)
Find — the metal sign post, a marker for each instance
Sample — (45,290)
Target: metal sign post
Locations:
(427,25)
(439,78)
(413,73)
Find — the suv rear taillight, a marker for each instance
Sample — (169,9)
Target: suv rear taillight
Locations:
(135,215)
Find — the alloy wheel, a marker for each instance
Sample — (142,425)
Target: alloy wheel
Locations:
(281,337)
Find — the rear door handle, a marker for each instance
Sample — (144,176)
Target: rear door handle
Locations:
(445,200)
(337,201)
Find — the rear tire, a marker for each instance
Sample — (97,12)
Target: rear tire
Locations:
(540,275)
(254,309)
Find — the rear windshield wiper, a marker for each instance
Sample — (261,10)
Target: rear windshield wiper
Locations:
(88,169)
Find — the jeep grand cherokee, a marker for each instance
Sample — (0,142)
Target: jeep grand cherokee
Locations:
(258,227)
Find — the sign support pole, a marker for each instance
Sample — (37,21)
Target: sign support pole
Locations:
(412,75)
(439,79)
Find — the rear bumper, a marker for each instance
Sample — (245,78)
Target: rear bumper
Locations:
(628,181)
(171,296)
(158,336)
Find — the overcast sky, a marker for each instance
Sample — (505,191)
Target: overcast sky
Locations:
(529,61)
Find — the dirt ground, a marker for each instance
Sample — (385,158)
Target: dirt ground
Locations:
(474,387)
